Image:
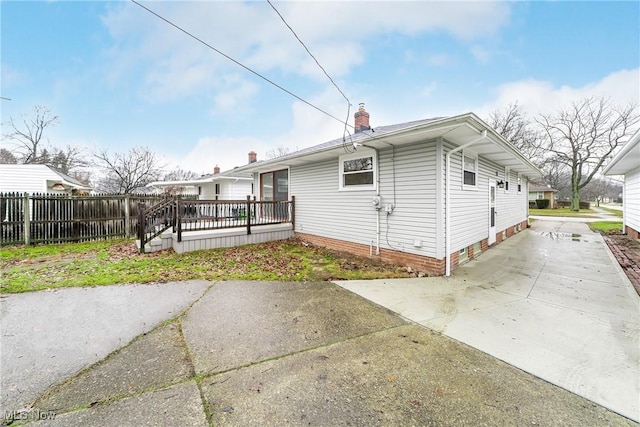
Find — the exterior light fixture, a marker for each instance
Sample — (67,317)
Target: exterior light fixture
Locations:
(500,184)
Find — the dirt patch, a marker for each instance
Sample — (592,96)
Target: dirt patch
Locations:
(627,252)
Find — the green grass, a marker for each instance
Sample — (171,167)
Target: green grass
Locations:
(606,226)
(584,213)
(114,262)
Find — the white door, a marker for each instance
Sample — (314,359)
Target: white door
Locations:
(492,211)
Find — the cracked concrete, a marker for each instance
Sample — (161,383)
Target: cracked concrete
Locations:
(261,353)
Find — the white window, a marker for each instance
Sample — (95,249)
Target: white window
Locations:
(469,169)
(507,178)
(358,171)
(519,183)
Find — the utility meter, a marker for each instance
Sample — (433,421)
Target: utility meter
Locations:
(377,202)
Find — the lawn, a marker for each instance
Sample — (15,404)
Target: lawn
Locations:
(584,213)
(606,226)
(117,261)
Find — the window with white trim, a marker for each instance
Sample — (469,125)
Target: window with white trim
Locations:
(358,171)
(519,182)
(469,169)
(507,178)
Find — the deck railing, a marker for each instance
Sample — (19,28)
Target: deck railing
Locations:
(198,215)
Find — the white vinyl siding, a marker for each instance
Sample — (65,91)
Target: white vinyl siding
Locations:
(470,209)
(322,210)
(26,178)
(229,190)
(631,199)
(469,214)
(512,207)
(414,217)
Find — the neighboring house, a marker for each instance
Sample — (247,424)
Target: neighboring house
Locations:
(627,163)
(428,194)
(227,185)
(38,179)
(538,192)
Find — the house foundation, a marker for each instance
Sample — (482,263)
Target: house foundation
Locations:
(419,263)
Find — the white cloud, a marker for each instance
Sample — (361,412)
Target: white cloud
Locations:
(536,96)
(226,152)
(236,92)
(10,76)
(439,60)
(480,54)
(428,90)
(175,65)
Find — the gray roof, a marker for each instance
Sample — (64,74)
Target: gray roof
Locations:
(459,130)
(69,180)
(535,187)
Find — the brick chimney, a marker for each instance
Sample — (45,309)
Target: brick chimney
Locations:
(362,119)
(216,170)
(253,157)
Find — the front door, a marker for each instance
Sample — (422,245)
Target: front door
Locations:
(492,211)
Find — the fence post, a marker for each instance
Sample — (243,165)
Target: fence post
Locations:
(127,216)
(27,219)
(248,214)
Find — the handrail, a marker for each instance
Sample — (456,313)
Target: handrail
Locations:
(199,215)
(154,221)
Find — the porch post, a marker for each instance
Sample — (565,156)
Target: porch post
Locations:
(179,218)
(248,214)
(293,212)
(141,226)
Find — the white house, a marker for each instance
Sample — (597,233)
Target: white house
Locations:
(429,194)
(37,179)
(227,185)
(627,164)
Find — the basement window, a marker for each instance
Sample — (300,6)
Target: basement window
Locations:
(358,171)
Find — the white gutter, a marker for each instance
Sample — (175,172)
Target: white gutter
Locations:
(447,201)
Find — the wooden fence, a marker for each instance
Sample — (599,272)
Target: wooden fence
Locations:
(46,218)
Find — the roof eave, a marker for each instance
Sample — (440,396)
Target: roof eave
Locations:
(623,161)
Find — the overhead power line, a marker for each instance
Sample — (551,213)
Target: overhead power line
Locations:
(240,64)
(346,122)
(308,51)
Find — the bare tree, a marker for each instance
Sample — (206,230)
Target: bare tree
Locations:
(177,174)
(279,151)
(128,172)
(583,136)
(28,136)
(7,157)
(514,126)
(67,159)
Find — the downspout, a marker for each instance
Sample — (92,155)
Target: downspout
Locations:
(378,207)
(447,201)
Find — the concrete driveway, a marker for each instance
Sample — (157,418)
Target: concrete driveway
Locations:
(551,300)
